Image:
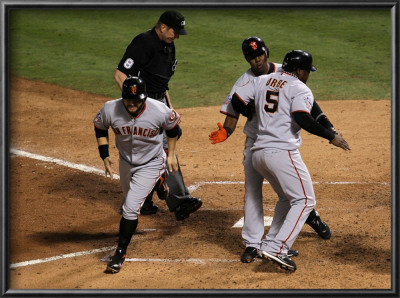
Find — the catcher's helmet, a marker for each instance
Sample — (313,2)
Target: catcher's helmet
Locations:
(298,59)
(254,46)
(134,88)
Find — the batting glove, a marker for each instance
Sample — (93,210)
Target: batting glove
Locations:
(219,135)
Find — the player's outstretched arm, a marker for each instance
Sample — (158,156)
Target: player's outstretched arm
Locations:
(321,118)
(308,123)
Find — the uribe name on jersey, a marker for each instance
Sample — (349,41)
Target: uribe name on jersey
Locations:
(275,83)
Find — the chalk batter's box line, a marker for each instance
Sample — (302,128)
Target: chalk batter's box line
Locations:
(197,185)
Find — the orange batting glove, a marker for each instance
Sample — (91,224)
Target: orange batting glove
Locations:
(219,135)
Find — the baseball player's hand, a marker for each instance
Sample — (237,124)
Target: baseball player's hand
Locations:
(219,135)
(107,166)
(172,163)
(340,142)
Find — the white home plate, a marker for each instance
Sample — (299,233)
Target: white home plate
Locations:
(267,222)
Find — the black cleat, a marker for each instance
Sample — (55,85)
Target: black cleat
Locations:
(292,253)
(284,261)
(148,208)
(114,266)
(249,255)
(188,206)
(318,225)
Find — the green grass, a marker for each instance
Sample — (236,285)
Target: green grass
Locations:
(81,48)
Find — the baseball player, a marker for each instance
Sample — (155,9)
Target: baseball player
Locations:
(256,53)
(136,121)
(151,56)
(283,105)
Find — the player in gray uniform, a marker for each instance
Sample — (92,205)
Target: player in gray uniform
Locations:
(151,56)
(283,105)
(256,53)
(137,122)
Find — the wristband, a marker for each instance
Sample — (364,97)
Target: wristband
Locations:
(103,150)
(228,131)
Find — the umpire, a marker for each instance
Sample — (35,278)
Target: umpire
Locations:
(151,56)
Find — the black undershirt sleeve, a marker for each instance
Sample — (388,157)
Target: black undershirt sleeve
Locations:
(100,132)
(308,123)
(240,107)
(176,131)
(321,118)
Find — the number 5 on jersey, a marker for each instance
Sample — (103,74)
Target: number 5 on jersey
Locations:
(272,98)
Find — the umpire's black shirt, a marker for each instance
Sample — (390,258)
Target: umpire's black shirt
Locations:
(151,59)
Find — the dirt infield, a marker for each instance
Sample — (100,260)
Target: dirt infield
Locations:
(59,211)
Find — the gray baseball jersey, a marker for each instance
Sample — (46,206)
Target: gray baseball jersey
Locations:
(138,139)
(277,96)
(250,129)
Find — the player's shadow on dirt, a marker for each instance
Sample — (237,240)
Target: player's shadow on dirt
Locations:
(77,185)
(72,236)
(215,227)
(267,266)
(74,206)
(359,250)
(362,253)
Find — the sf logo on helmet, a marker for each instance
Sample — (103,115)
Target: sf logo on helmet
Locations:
(133,89)
(253,45)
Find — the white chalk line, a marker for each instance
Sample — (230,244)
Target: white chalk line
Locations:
(65,256)
(60,162)
(88,169)
(197,185)
(190,260)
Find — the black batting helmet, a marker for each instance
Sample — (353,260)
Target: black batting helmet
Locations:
(254,46)
(298,59)
(134,88)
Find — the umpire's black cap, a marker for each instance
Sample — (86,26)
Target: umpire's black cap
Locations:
(175,20)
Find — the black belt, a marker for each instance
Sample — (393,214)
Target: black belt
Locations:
(156,95)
